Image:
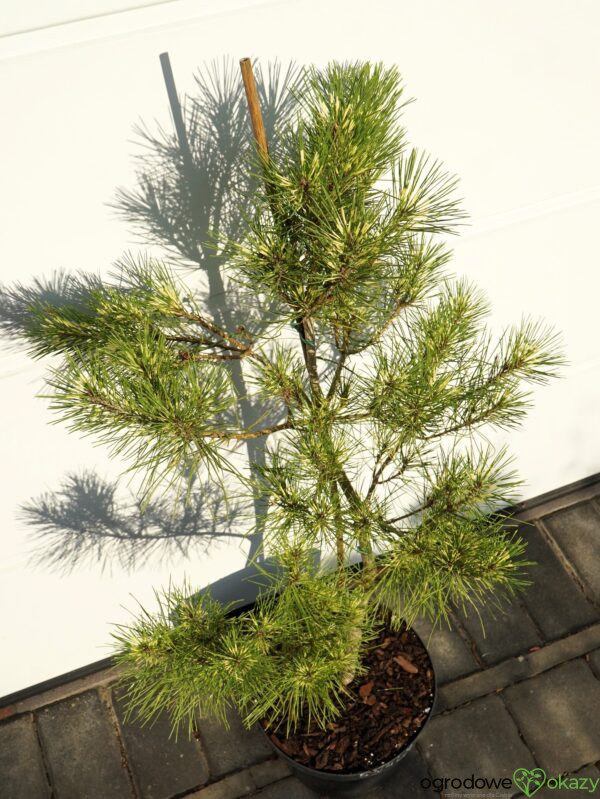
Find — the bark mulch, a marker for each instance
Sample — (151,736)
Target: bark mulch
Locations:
(387,707)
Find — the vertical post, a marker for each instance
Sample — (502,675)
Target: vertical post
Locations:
(254,107)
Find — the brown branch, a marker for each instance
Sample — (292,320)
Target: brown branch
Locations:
(224,435)
(378,478)
(358,503)
(212,328)
(206,342)
(399,306)
(233,436)
(481,419)
(306,332)
(215,356)
(396,474)
(124,413)
(379,470)
(338,374)
(357,417)
(420,509)
(339,526)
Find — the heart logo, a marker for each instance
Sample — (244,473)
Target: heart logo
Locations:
(529,781)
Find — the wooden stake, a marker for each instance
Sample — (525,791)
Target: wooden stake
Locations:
(254,107)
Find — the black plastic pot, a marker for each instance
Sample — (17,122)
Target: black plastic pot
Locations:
(330,783)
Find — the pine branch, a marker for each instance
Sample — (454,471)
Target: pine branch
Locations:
(306,332)
(337,375)
(206,342)
(229,435)
(399,306)
(413,512)
(125,415)
(215,356)
(209,325)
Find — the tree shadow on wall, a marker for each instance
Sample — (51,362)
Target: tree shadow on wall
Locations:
(85,523)
(192,191)
(193,187)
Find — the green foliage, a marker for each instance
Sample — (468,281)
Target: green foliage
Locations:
(325,240)
(449,560)
(375,372)
(276,663)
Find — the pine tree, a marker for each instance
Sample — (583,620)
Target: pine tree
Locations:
(376,379)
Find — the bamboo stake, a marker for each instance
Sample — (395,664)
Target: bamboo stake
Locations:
(254,107)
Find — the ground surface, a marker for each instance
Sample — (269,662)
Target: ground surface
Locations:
(525,696)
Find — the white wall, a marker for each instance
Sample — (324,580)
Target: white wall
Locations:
(29,16)
(507,98)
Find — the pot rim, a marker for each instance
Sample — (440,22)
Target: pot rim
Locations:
(356,776)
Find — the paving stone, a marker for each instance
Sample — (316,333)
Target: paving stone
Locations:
(161,765)
(82,749)
(594,659)
(587,773)
(101,678)
(407,781)
(234,748)
(479,739)
(22,773)
(289,789)
(554,600)
(516,669)
(449,654)
(269,771)
(6,712)
(557,713)
(500,632)
(577,532)
(233,786)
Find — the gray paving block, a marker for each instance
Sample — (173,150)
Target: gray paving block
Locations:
(234,786)
(587,773)
(500,632)
(557,713)
(161,765)
(594,658)
(269,771)
(513,670)
(411,780)
(22,773)
(82,749)
(479,739)
(577,532)
(233,748)
(449,654)
(554,600)
(288,789)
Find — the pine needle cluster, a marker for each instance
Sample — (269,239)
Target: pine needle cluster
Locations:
(377,378)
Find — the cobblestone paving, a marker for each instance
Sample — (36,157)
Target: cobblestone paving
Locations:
(524,695)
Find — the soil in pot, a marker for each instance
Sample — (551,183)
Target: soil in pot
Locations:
(387,707)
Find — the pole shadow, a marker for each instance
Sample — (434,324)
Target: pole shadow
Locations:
(193,191)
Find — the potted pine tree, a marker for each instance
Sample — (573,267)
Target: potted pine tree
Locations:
(375,373)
